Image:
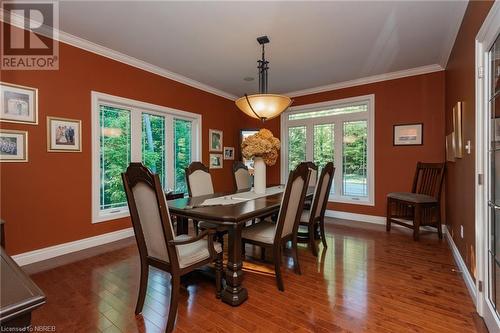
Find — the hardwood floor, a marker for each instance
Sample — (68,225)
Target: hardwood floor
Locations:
(366,281)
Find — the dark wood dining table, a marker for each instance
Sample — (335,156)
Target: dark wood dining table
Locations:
(233,218)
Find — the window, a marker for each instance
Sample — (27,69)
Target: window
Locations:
(124,131)
(339,131)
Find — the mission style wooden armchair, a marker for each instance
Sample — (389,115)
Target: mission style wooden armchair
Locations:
(274,236)
(158,247)
(242,178)
(422,206)
(316,215)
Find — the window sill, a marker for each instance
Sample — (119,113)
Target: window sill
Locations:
(345,200)
(103,217)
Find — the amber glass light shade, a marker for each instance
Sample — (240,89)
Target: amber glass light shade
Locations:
(266,106)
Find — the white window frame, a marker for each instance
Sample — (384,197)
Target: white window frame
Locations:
(137,108)
(369,116)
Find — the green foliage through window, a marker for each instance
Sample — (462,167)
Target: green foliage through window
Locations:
(114,155)
(296,146)
(354,158)
(182,152)
(153,144)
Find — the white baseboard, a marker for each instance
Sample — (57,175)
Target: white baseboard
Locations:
(355,217)
(469,282)
(65,248)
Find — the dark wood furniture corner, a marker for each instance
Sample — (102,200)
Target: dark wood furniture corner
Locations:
(19,296)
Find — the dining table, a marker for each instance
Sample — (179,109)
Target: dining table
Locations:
(229,211)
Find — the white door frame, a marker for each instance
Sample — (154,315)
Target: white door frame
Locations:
(484,40)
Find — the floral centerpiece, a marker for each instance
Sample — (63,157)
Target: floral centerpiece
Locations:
(263,148)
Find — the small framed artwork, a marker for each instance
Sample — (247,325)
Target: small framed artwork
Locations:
(215,140)
(408,134)
(457,129)
(450,147)
(18,104)
(13,146)
(215,161)
(64,135)
(229,153)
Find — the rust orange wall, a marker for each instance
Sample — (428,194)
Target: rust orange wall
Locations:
(48,200)
(460,86)
(412,99)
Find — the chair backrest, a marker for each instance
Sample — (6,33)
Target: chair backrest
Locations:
(428,179)
(242,178)
(322,191)
(149,213)
(199,180)
(292,202)
(313,178)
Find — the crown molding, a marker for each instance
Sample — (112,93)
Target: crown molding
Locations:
(369,79)
(89,46)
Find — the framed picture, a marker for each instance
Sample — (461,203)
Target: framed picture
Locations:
(13,146)
(215,161)
(457,129)
(64,135)
(215,140)
(18,104)
(408,135)
(245,133)
(450,147)
(229,153)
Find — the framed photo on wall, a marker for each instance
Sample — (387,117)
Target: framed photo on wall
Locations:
(64,135)
(450,147)
(216,161)
(215,140)
(229,153)
(18,104)
(13,146)
(408,134)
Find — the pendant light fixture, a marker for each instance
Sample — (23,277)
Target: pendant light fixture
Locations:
(263,106)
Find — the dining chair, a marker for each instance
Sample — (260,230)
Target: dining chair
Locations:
(312,181)
(199,183)
(421,206)
(158,247)
(242,178)
(315,217)
(273,236)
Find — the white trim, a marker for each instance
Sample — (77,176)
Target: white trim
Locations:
(484,39)
(65,248)
(86,45)
(136,109)
(337,119)
(355,217)
(369,79)
(469,282)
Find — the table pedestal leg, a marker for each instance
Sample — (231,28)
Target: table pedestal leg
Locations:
(234,294)
(182,226)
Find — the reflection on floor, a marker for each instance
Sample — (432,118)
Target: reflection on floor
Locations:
(366,281)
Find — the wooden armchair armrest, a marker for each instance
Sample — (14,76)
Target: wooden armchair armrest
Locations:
(192,240)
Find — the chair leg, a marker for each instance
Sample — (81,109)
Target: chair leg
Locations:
(195,226)
(312,241)
(440,230)
(277,267)
(263,253)
(322,230)
(416,222)
(295,254)
(174,302)
(218,274)
(388,221)
(243,256)
(143,286)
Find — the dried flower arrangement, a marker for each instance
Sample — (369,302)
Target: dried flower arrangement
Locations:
(261,144)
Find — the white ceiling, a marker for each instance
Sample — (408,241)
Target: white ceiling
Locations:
(312,43)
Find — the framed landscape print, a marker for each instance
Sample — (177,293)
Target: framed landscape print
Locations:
(229,153)
(215,161)
(18,104)
(450,147)
(13,146)
(64,135)
(215,140)
(408,135)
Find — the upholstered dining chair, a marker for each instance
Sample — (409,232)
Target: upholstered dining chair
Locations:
(199,182)
(313,179)
(274,236)
(158,247)
(420,207)
(315,216)
(242,178)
